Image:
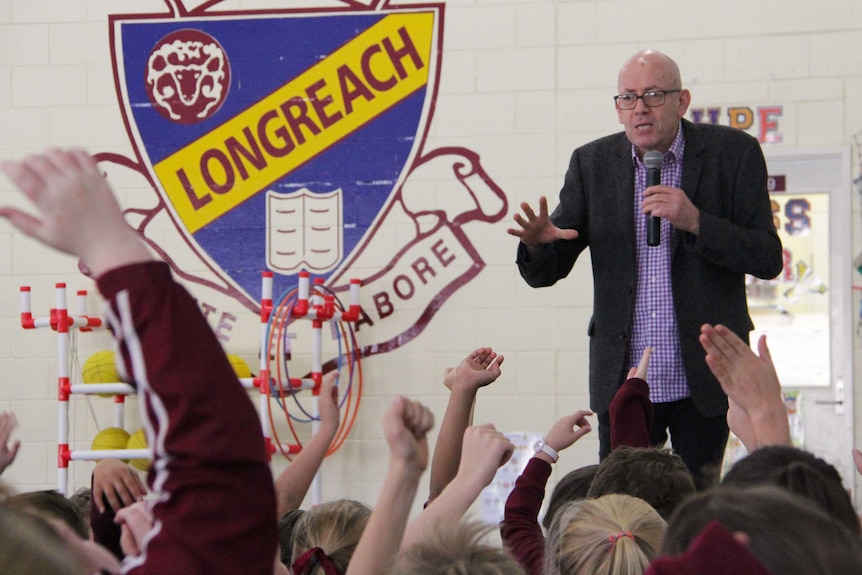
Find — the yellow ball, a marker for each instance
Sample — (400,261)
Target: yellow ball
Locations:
(101,368)
(138,440)
(239,365)
(111,438)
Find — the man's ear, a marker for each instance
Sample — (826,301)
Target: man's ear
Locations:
(742,538)
(684,101)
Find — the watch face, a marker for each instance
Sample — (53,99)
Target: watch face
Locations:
(538,445)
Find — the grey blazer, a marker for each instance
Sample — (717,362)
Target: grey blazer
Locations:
(724,175)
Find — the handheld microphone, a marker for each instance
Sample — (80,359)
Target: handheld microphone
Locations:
(653,160)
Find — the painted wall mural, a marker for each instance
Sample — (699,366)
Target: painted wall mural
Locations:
(295,139)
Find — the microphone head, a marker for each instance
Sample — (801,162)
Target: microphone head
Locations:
(653,160)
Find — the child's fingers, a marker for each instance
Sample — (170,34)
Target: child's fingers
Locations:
(507,453)
(25,179)
(13,451)
(857,460)
(25,223)
(134,486)
(582,431)
(38,172)
(8,423)
(422,421)
(713,343)
(729,343)
(83,160)
(763,350)
(114,498)
(644,362)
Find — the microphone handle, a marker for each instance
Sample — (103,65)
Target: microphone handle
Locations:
(653,222)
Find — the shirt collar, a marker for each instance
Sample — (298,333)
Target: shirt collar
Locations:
(673,154)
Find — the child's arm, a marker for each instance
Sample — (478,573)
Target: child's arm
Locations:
(520,528)
(631,410)
(757,413)
(292,484)
(8,451)
(405,426)
(201,425)
(478,369)
(484,450)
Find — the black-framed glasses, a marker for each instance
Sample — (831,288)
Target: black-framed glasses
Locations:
(651,99)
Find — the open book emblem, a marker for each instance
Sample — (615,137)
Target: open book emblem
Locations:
(303,230)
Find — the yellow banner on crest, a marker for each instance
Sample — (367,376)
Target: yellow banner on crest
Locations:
(348,89)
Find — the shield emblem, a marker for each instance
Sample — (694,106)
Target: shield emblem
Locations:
(276,140)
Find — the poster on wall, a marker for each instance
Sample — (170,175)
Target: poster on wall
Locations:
(793,310)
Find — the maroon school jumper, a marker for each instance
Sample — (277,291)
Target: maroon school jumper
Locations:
(631,418)
(214,502)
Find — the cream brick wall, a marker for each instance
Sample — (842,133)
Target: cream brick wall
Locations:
(523,83)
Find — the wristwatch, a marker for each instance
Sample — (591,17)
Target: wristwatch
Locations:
(546,449)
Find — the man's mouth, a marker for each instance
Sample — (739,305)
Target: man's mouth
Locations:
(643,126)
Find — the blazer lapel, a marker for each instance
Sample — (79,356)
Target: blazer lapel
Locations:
(692,164)
(622,185)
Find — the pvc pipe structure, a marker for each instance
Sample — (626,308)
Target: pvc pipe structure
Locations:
(60,321)
(311,305)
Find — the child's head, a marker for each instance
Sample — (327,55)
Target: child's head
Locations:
(53,505)
(658,476)
(612,535)
(29,546)
(574,486)
(787,533)
(799,472)
(81,500)
(457,551)
(333,527)
(286,526)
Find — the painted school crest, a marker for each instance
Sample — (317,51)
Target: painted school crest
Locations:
(290,140)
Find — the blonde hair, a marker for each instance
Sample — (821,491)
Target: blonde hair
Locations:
(613,535)
(29,546)
(456,551)
(335,527)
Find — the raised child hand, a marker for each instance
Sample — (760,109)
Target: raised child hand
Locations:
(750,380)
(484,449)
(77,211)
(327,404)
(641,370)
(568,429)
(756,414)
(136,521)
(119,483)
(405,426)
(857,460)
(478,369)
(8,451)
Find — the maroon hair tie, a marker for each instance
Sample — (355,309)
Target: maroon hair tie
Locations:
(311,558)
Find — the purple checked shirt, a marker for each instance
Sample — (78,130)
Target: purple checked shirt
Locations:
(654,322)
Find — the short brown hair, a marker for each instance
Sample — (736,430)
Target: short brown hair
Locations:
(787,533)
(656,475)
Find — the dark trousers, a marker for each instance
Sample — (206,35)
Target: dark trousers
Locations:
(700,441)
